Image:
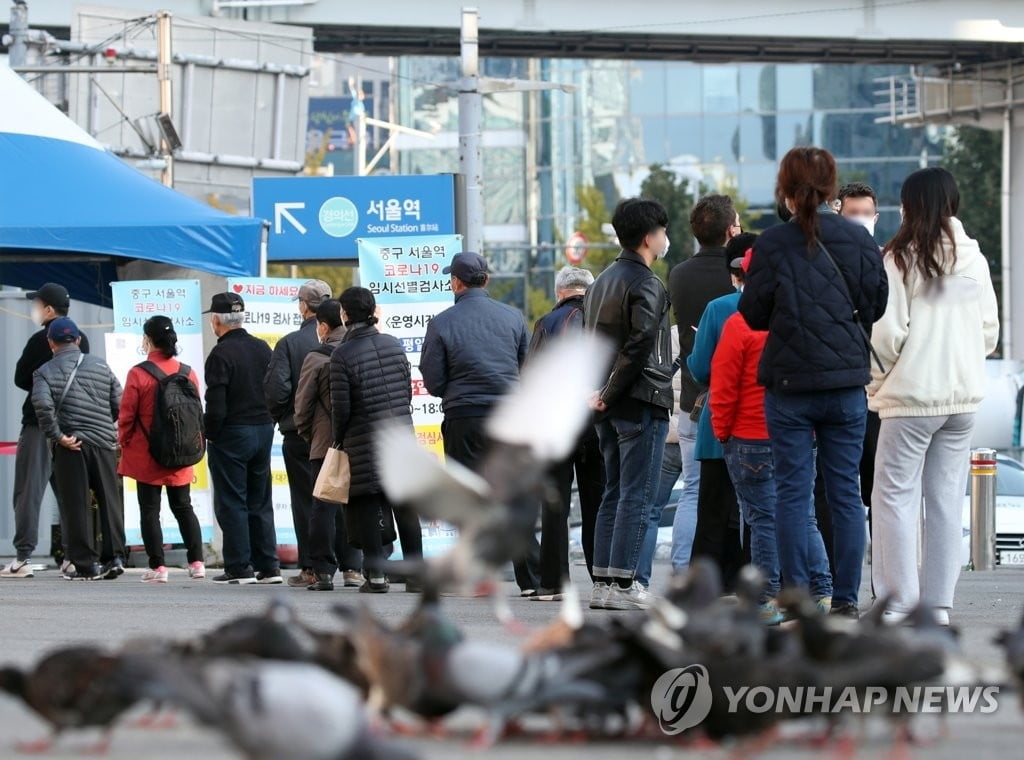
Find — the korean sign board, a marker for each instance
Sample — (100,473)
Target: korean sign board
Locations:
(321,218)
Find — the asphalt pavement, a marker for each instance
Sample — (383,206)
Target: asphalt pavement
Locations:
(45,612)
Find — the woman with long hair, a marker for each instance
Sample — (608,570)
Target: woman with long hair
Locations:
(138,406)
(816,284)
(940,324)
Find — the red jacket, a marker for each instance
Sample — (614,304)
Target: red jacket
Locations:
(737,401)
(137,404)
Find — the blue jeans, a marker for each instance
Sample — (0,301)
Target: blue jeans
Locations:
(753,477)
(684,526)
(242,502)
(632,454)
(835,419)
(671,468)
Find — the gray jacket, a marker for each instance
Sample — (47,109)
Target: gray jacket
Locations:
(90,407)
(313,397)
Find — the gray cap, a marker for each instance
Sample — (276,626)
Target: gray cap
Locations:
(313,292)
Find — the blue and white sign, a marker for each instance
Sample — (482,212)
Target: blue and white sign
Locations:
(320,218)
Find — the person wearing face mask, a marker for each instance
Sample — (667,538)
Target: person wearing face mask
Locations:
(329,549)
(628,305)
(858,203)
(816,284)
(33,464)
(134,425)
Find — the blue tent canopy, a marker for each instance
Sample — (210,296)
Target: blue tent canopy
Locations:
(69,210)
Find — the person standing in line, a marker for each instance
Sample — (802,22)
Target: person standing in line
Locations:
(134,426)
(240,432)
(693,284)
(77,399)
(942,320)
(33,462)
(816,284)
(279,389)
(628,304)
(472,355)
(571,284)
(329,547)
(371,383)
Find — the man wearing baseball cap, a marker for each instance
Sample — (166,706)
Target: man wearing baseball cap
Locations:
(33,464)
(279,388)
(77,399)
(240,432)
(472,354)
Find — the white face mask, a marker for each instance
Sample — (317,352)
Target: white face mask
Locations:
(664,251)
(37,315)
(868,222)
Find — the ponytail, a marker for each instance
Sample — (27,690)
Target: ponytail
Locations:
(808,178)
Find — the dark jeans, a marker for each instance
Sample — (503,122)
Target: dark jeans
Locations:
(242,501)
(179,498)
(300,486)
(632,454)
(717,536)
(78,472)
(671,469)
(364,513)
(836,419)
(466,442)
(823,515)
(33,468)
(588,466)
(329,548)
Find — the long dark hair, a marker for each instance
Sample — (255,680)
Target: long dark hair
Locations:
(160,331)
(807,177)
(929,198)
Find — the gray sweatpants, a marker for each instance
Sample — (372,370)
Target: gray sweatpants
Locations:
(919,459)
(33,465)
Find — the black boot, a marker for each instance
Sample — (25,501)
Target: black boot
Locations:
(323,582)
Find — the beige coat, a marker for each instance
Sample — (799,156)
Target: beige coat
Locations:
(313,399)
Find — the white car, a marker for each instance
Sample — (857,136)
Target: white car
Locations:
(1009,514)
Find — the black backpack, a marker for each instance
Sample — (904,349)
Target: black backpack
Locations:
(177,438)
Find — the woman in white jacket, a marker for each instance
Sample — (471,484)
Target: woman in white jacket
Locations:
(940,324)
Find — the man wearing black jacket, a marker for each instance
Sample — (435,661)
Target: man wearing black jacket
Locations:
(33,464)
(279,388)
(240,432)
(693,284)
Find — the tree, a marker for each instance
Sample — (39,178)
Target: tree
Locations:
(674,193)
(974,156)
(594,214)
(338,276)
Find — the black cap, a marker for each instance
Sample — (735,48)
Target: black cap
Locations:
(53,295)
(465,265)
(226,303)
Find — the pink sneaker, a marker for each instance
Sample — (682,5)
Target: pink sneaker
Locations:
(197,571)
(159,575)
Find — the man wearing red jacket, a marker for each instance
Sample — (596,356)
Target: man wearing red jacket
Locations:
(737,417)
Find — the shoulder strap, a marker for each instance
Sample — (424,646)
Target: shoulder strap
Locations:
(67,386)
(184,370)
(151,368)
(856,311)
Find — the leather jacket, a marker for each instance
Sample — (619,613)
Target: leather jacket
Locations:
(629,305)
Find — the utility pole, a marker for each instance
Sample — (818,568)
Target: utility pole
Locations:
(472,88)
(163,73)
(18,47)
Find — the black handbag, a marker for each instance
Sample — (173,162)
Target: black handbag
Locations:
(856,311)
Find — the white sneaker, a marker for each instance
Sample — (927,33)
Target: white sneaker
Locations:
(941,615)
(892,617)
(636,597)
(18,568)
(598,596)
(159,575)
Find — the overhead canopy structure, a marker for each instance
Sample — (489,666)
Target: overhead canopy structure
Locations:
(70,211)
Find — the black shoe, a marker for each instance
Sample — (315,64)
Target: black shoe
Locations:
(241,579)
(845,610)
(374,586)
(91,572)
(413,586)
(113,569)
(323,582)
(270,577)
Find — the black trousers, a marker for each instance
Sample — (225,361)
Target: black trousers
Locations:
(365,513)
(179,498)
(588,465)
(466,442)
(300,486)
(329,548)
(718,527)
(77,472)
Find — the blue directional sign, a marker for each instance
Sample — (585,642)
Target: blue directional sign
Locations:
(319,218)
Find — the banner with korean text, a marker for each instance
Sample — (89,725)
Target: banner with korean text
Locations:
(134,303)
(405,275)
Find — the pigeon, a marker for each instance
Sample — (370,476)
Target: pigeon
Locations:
(1012,643)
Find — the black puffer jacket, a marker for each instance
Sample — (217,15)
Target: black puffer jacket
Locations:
(370,383)
(796,294)
(629,305)
(89,409)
